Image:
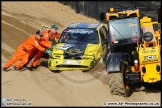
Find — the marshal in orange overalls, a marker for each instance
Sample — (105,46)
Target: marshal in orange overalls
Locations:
(46,43)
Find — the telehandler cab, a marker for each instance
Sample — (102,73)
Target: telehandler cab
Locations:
(135,50)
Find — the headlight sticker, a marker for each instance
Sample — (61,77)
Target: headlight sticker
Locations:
(65,46)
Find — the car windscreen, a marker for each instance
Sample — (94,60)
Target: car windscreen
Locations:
(124,30)
(79,36)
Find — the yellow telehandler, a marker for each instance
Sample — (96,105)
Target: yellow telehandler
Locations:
(135,49)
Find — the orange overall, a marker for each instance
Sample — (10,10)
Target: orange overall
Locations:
(23,52)
(46,43)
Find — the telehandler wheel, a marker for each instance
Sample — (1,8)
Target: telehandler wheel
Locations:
(117,84)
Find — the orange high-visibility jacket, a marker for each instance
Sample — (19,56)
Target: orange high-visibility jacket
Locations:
(45,42)
(23,52)
(31,43)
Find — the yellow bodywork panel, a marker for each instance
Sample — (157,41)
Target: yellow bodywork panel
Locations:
(151,75)
(80,47)
(149,55)
(150,58)
(90,58)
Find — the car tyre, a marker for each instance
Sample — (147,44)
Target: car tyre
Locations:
(56,71)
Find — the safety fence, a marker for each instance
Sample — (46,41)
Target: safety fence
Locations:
(94,8)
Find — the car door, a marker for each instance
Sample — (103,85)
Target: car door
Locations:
(104,42)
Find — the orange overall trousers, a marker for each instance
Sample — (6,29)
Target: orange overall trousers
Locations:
(24,51)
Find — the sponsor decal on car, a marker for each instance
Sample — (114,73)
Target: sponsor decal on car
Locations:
(73,51)
(80,31)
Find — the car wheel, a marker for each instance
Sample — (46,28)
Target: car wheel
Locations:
(85,71)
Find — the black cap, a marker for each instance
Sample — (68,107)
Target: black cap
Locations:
(39,33)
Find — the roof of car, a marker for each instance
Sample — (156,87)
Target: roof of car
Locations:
(83,25)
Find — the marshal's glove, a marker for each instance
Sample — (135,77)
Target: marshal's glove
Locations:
(51,48)
(48,51)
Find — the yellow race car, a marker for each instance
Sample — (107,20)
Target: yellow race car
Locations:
(80,47)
